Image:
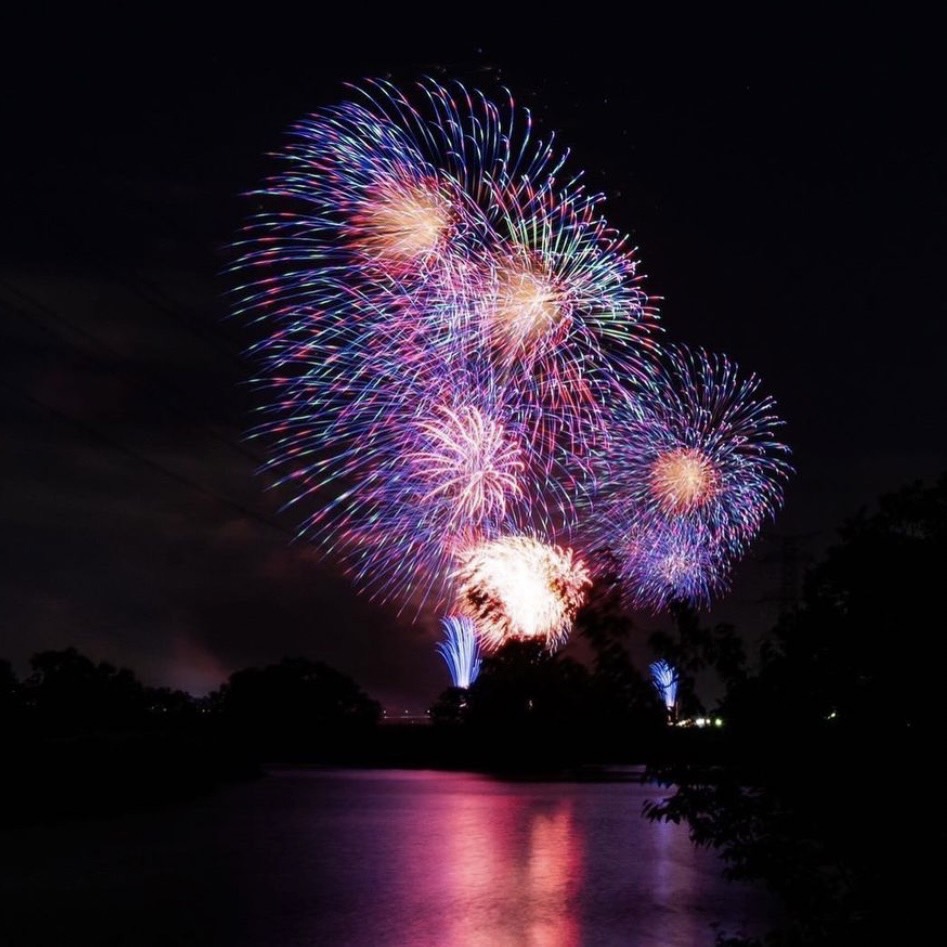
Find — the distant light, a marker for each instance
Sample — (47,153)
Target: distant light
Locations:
(718,722)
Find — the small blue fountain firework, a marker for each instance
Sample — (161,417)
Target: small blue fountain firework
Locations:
(460,650)
(664,678)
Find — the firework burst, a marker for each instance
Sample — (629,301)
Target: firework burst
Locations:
(663,564)
(696,449)
(470,458)
(519,587)
(561,301)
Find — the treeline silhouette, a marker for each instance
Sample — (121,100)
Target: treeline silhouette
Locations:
(84,738)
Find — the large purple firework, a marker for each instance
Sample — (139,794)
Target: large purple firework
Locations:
(693,470)
(439,318)
(456,352)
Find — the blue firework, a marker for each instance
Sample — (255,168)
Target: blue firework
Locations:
(460,650)
(664,678)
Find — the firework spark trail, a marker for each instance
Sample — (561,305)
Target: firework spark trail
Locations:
(519,587)
(460,650)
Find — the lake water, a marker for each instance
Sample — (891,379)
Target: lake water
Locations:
(370,858)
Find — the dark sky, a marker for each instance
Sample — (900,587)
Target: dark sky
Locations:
(785,188)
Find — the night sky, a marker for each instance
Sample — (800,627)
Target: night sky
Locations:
(785,190)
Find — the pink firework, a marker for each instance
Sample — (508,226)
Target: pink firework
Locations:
(470,458)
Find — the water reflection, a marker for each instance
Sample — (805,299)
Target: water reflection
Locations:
(371,859)
(515,869)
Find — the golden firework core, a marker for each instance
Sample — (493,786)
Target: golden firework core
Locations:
(527,307)
(405,222)
(683,479)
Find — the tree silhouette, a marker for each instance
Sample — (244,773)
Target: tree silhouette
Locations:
(69,693)
(625,699)
(9,694)
(296,707)
(810,806)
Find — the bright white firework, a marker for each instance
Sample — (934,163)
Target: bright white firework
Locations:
(519,587)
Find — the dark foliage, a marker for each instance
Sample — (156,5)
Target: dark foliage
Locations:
(297,709)
(533,710)
(833,745)
(624,700)
(82,739)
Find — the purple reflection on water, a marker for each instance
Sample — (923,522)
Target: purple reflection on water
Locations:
(312,857)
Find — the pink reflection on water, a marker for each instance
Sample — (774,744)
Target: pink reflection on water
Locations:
(514,869)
